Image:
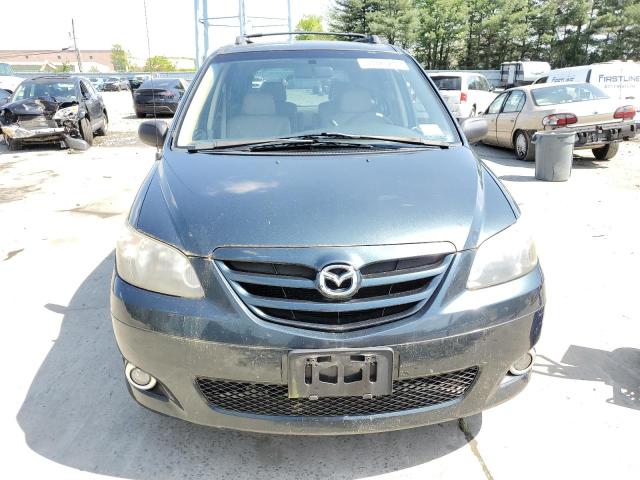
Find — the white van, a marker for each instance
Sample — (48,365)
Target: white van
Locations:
(7,80)
(466,93)
(515,74)
(620,80)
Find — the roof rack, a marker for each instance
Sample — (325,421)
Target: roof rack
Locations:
(357,37)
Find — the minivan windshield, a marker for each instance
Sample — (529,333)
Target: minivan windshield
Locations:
(280,94)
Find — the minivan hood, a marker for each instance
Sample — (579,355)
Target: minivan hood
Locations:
(427,195)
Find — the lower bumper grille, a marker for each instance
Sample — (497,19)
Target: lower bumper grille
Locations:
(272,399)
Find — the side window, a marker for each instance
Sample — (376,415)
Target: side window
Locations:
(497,103)
(483,84)
(514,103)
(473,83)
(92,90)
(84,90)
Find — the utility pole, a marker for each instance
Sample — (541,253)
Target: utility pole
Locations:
(195,16)
(205,14)
(241,16)
(289,17)
(75,46)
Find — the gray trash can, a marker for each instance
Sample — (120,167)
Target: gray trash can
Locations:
(554,154)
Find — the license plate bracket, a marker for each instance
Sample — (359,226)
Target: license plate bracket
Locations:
(365,373)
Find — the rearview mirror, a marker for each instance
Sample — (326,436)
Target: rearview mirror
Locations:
(475,129)
(153,132)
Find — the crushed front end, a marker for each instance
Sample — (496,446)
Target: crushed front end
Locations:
(40,121)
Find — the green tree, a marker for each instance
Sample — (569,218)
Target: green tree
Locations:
(441,32)
(159,63)
(119,58)
(352,15)
(64,67)
(310,23)
(395,20)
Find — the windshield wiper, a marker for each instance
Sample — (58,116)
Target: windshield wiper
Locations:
(316,140)
(280,143)
(383,138)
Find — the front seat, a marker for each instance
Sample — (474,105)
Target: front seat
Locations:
(258,119)
(356,106)
(279,94)
(326,110)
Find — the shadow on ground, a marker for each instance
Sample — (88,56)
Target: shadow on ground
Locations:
(78,413)
(620,369)
(507,158)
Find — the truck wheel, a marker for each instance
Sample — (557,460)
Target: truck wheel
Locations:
(85,131)
(607,152)
(525,150)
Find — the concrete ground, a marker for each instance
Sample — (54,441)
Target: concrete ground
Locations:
(65,412)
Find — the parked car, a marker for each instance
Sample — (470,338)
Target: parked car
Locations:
(115,84)
(97,82)
(599,122)
(466,93)
(4,96)
(514,74)
(53,109)
(619,80)
(158,96)
(365,274)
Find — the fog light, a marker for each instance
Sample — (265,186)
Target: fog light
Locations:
(523,364)
(138,378)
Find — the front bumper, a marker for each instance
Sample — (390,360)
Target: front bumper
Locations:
(19,133)
(150,109)
(178,341)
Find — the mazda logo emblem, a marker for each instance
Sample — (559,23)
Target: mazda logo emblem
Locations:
(338,281)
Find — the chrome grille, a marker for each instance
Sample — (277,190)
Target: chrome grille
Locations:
(272,399)
(286,293)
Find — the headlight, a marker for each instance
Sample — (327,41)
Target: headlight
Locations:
(505,256)
(68,113)
(156,266)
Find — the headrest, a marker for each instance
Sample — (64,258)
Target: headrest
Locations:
(258,104)
(276,90)
(336,89)
(355,101)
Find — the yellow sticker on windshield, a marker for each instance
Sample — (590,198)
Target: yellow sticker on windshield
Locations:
(383,63)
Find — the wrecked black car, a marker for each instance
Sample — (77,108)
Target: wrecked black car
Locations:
(54,109)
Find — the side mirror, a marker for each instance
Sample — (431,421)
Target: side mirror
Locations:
(153,132)
(475,129)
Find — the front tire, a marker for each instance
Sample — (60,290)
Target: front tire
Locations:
(102,131)
(85,131)
(524,148)
(607,152)
(13,145)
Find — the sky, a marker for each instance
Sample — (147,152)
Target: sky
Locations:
(45,24)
